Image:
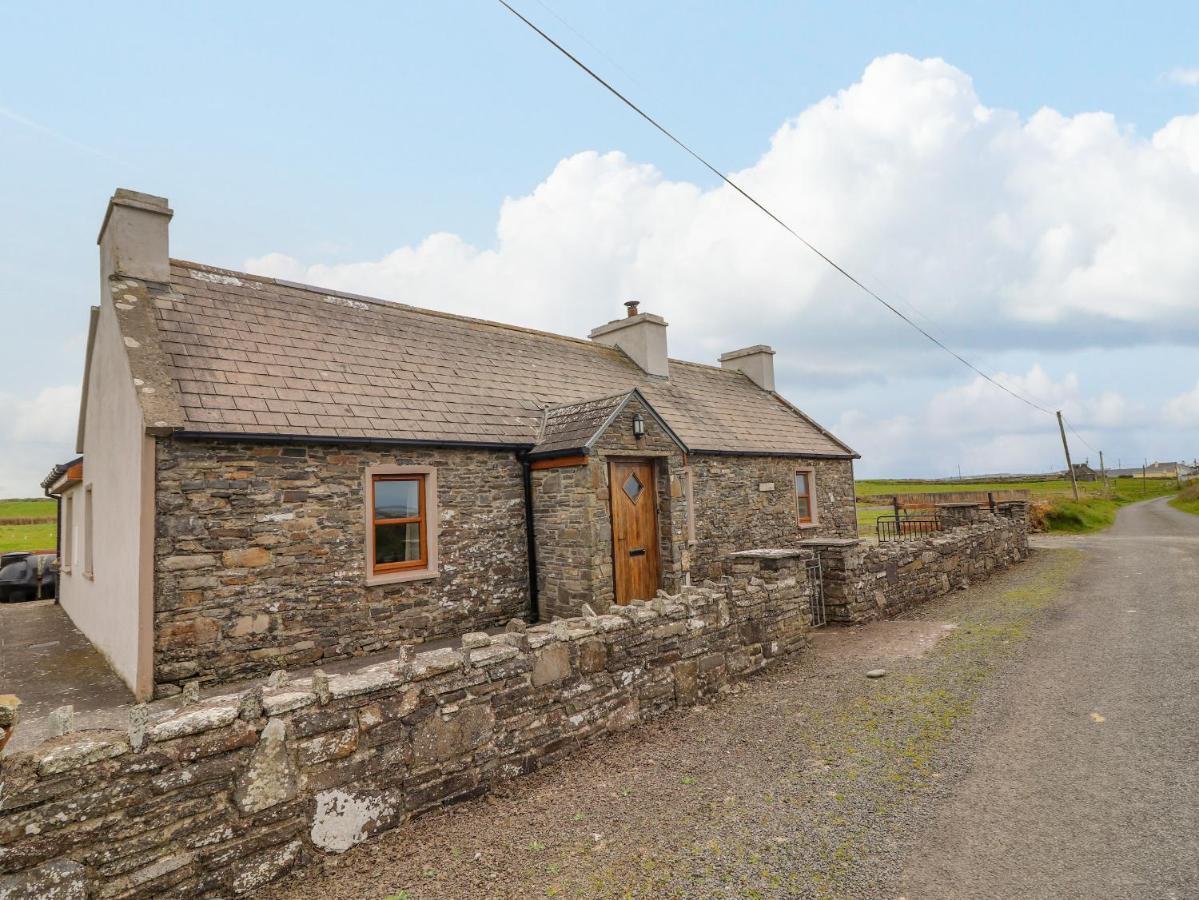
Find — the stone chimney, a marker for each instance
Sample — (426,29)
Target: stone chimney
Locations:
(757,362)
(641,335)
(133,238)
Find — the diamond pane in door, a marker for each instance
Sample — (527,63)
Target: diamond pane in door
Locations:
(633,487)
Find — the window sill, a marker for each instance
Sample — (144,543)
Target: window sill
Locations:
(808,526)
(400,577)
(90,576)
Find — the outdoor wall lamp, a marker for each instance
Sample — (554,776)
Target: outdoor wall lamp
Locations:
(638,426)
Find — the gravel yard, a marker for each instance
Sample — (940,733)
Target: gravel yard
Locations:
(810,780)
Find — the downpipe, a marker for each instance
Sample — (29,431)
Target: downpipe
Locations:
(526,472)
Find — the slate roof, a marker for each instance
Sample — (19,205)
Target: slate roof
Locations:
(251,355)
(575,427)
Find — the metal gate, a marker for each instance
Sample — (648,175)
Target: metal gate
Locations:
(816,592)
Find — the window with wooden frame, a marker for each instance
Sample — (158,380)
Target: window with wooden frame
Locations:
(401,523)
(398,517)
(805,497)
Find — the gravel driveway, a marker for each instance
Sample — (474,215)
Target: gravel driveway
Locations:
(1087,784)
(811,781)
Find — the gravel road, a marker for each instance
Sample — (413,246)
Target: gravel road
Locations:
(1043,747)
(1088,783)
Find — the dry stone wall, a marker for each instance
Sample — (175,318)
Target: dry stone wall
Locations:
(864,581)
(227,794)
(260,556)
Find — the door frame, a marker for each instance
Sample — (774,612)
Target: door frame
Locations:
(652,460)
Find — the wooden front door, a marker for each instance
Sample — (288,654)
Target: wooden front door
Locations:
(634,529)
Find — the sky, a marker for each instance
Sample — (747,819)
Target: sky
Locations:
(1021,180)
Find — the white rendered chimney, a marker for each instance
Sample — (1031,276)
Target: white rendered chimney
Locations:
(757,362)
(133,238)
(640,335)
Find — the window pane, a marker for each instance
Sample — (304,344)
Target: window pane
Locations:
(397,499)
(801,484)
(633,487)
(805,510)
(397,543)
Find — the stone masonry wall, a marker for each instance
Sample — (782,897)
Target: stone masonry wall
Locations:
(733,512)
(864,581)
(227,794)
(565,529)
(260,558)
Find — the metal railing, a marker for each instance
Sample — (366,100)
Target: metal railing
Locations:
(898,527)
(816,592)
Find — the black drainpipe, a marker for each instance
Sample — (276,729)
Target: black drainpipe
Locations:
(526,472)
(57,541)
(58,523)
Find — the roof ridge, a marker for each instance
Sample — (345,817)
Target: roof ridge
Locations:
(424,310)
(376,301)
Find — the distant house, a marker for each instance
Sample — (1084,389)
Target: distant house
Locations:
(275,474)
(1082,472)
(1157,470)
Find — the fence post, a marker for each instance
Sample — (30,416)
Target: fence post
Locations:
(895,505)
(991,501)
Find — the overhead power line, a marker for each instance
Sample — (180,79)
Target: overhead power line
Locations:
(736,187)
(1080,437)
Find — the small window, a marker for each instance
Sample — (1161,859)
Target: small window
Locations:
(88,533)
(398,518)
(68,534)
(805,508)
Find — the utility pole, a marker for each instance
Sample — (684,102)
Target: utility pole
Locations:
(1065,446)
(1103,471)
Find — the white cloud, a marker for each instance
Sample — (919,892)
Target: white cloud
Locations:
(1183,411)
(36,433)
(1051,232)
(1184,76)
(974,426)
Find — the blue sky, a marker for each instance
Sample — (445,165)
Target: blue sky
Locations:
(317,141)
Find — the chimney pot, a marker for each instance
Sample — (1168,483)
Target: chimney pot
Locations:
(632,305)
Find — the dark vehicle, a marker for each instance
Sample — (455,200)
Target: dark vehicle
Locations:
(28,576)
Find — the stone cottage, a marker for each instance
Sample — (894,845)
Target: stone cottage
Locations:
(275,474)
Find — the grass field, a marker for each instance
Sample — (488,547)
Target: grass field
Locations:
(1188,500)
(27,537)
(1095,510)
(1060,486)
(27,509)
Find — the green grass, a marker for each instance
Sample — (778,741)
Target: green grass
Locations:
(27,537)
(27,509)
(1188,500)
(1095,510)
(1095,513)
(1037,488)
